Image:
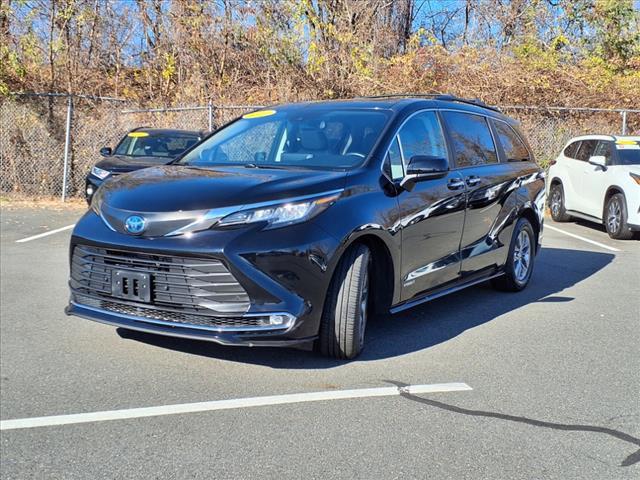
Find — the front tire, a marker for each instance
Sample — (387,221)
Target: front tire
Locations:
(615,218)
(556,204)
(344,317)
(519,266)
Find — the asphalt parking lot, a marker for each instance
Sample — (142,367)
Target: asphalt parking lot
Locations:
(554,377)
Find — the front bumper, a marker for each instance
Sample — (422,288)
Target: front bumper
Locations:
(283,271)
(192,332)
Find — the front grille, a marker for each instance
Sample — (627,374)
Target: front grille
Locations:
(170,315)
(180,286)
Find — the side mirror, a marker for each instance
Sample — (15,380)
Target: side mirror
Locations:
(424,167)
(598,161)
(105,151)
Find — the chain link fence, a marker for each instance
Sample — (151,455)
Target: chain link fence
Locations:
(549,128)
(49,142)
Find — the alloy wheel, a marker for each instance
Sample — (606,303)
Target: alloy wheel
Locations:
(614,216)
(556,202)
(522,256)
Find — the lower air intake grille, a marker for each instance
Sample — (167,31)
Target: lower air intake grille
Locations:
(171,316)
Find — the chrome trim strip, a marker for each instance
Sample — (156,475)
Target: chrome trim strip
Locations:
(205,219)
(191,326)
(424,270)
(428,297)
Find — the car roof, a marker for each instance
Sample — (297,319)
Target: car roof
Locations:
(400,103)
(167,131)
(635,138)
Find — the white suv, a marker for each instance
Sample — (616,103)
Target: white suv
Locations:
(597,178)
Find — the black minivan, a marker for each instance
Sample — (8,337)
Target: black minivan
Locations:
(296,223)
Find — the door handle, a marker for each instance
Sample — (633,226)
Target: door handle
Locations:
(455,184)
(473,180)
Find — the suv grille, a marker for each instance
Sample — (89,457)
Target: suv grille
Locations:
(180,288)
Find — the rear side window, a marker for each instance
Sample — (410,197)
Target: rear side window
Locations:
(472,141)
(422,135)
(512,145)
(585,152)
(571,150)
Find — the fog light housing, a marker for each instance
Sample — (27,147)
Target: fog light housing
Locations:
(89,190)
(281,319)
(278,320)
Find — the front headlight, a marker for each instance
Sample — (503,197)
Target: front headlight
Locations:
(100,173)
(280,215)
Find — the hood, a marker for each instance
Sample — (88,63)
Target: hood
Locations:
(124,164)
(178,188)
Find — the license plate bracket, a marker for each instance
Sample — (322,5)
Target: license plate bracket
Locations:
(134,286)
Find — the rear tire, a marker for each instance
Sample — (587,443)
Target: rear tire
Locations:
(344,317)
(615,218)
(522,254)
(556,204)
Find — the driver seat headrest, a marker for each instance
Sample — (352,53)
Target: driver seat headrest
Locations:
(312,139)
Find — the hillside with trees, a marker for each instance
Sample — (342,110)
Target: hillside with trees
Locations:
(168,52)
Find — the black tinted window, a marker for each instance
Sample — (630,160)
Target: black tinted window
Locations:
(140,144)
(422,135)
(396,168)
(513,147)
(571,150)
(295,137)
(587,147)
(628,152)
(472,141)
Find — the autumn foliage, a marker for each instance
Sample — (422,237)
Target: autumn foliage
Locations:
(528,52)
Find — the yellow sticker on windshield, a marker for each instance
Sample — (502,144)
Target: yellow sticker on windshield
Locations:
(138,134)
(259,114)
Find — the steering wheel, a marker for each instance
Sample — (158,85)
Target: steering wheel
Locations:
(355,154)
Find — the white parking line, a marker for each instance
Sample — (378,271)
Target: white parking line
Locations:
(227,405)
(593,242)
(50,232)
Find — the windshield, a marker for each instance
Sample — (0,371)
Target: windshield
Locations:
(146,144)
(305,137)
(629,156)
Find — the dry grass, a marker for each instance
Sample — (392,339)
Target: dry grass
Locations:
(49,203)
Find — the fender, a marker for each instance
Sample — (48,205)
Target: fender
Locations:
(391,242)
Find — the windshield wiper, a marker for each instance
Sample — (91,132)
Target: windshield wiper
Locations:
(265,166)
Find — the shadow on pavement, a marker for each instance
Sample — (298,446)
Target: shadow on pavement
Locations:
(422,327)
(599,227)
(625,437)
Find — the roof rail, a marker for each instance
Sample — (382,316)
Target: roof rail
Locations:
(439,96)
(402,95)
(471,101)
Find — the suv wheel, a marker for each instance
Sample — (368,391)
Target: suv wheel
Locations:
(519,266)
(615,218)
(556,204)
(344,318)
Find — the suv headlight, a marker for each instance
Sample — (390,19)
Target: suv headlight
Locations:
(100,173)
(280,215)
